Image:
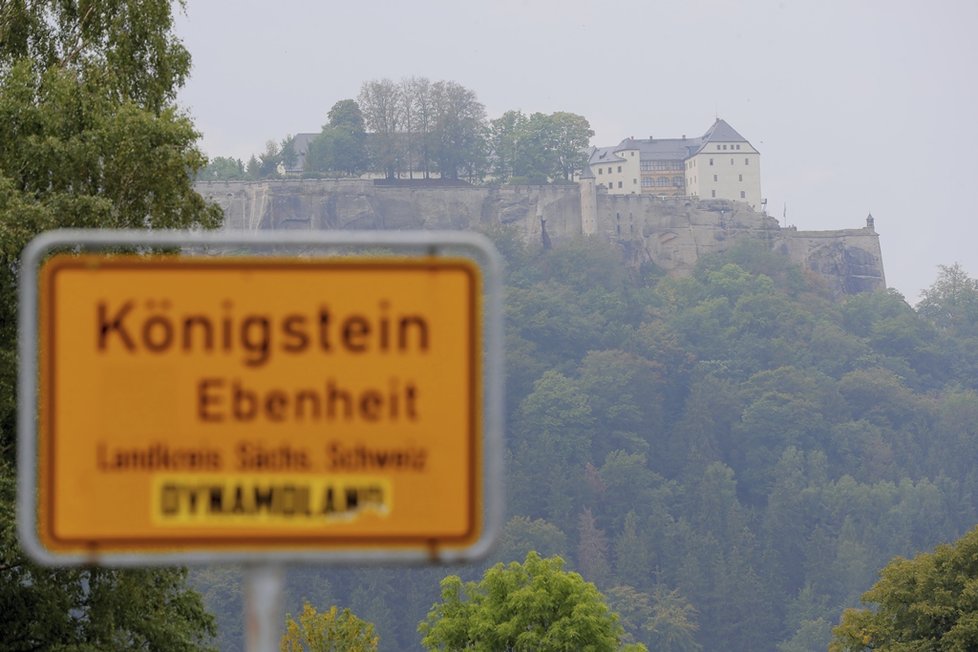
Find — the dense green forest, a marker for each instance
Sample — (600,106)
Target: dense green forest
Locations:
(730,457)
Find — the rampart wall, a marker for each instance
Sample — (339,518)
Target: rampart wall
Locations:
(672,233)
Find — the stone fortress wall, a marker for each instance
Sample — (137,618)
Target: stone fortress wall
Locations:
(672,233)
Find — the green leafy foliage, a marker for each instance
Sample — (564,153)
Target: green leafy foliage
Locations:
(534,605)
(127,47)
(548,463)
(539,147)
(341,147)
(424,125)
(89,138)
(521,535)
(78,610)
(458,139)
(329,631)
(79,150)
(436,127)
(222,169)
(924,603)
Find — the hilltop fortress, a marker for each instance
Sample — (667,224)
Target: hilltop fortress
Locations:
(666,201)
(720,164)
(672,232)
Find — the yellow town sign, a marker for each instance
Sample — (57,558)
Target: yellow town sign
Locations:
(247,404)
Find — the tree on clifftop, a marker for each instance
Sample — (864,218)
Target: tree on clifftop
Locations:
(89,137)
(538,147)
(380,101)
(341,145)
(571,139)
(417,121)
(459,134)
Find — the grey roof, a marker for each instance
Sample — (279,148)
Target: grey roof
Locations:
(720,132)
(301,144)
(604,155)
(669,149)
(302,141)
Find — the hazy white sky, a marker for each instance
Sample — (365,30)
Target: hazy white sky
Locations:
(855,105)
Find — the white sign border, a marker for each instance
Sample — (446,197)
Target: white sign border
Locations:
(472,245)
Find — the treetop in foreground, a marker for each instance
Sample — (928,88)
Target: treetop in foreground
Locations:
(929,602)
(330,631)
(89,138)
(536,605)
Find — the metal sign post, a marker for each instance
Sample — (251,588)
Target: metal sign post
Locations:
(264,584)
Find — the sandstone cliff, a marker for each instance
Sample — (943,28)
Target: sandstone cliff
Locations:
(671,233)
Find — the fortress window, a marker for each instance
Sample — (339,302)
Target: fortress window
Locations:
(731,161)
(713,193)
(746,161)
(619,168)
(711,161)
(742,194)
(741,177)
(600,170)
(619,184)
(715,177)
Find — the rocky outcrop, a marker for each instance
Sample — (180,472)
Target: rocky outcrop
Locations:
(672,233)
(848,260)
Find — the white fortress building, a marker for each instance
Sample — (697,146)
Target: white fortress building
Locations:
(720,164)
